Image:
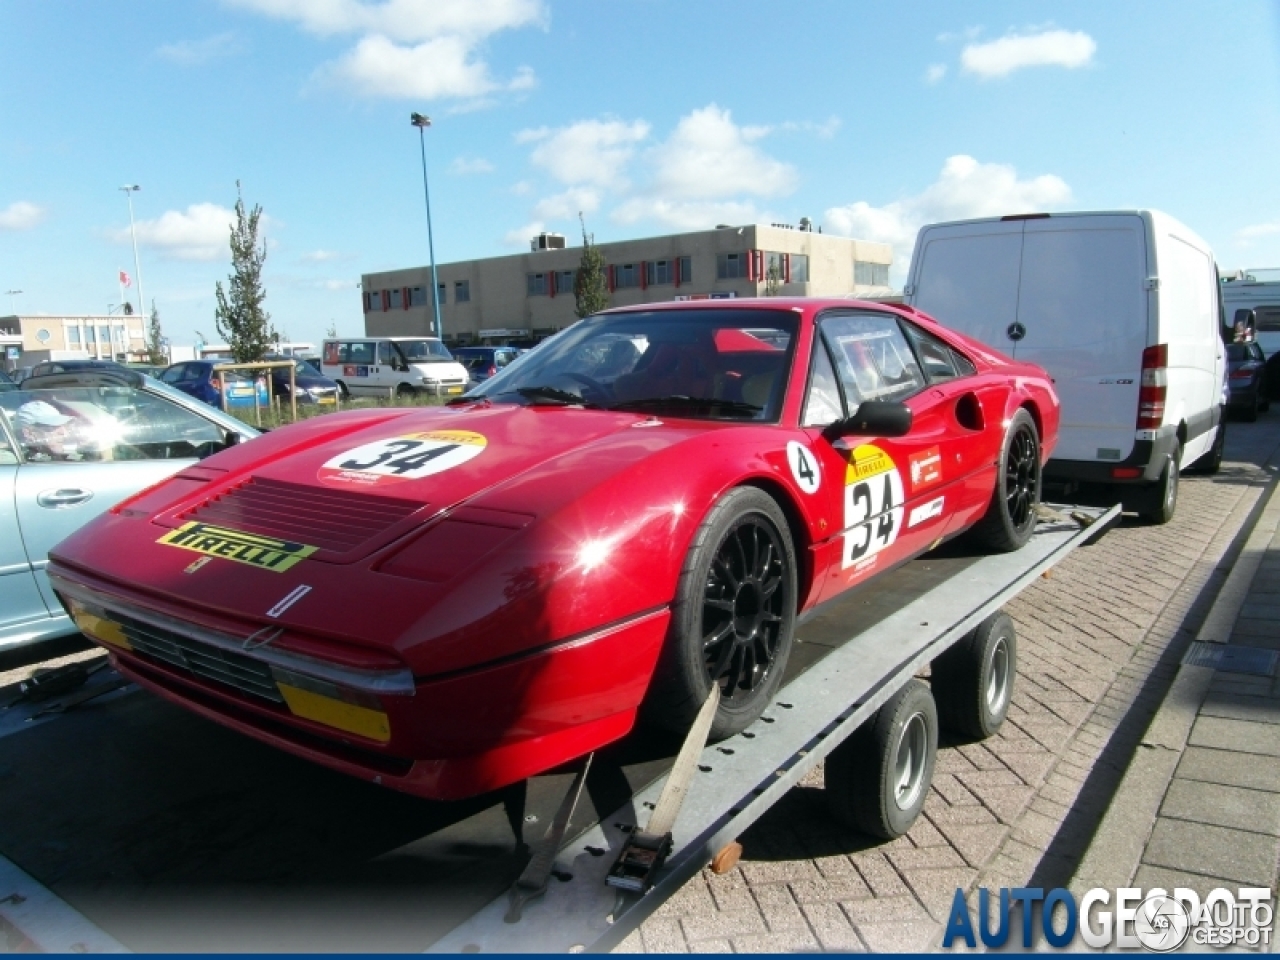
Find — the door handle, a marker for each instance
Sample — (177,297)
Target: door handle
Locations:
(63,497)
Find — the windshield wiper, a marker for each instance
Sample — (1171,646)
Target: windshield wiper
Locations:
(554,395)
(680,401)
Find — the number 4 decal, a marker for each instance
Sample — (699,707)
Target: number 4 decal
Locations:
(804,467)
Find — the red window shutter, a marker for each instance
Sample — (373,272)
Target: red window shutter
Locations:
(386,300)
(611,278)
(551,284)
(404,298)
(786,267)
(751,264)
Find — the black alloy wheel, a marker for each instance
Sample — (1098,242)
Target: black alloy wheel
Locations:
(1011,515)
(742,608)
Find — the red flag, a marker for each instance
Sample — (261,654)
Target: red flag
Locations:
(124,279)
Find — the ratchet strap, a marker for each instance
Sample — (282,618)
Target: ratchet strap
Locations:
(646,850)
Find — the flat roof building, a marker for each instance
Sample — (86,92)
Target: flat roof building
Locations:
(91,336)
(531,294)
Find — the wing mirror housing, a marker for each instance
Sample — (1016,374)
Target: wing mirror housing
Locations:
(873,418)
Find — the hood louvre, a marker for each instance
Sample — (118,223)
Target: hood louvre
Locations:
(335,521)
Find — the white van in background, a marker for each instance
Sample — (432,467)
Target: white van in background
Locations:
(382,366)
(1122,309)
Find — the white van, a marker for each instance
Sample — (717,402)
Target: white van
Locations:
(1123,310)
(382,366)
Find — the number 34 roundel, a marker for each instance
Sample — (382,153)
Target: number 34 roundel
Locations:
(873,503)
(411,457)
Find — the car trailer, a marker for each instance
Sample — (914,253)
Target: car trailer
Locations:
(150,828)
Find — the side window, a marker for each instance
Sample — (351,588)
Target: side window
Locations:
(872,357)
(8,456)
(822,403)
(388,355)
(360,352)
(174,373)
(940,361)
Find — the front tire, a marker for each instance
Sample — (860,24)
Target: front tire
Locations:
(733,618)
(877,780)
(1011,515)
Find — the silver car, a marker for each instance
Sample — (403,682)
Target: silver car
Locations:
(72,445)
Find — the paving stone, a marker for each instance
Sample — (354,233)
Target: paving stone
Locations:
(798,940)
(836,868)
(781,912)
(1149,878)
(633,942)
(722,924)
(884,910)
(976,843)
(878,873)
(663,935)
(953,791)
(1031,768)
(693,896)
(1005,802)
(926,858)
(710,946)
(1235,735)
(778,871)
(820,891)
(1237,707)
(936,889)
(941,816)
(832,928)
(1230,767)
(1236,807)
(924,834)
(896,937)
(1248,859)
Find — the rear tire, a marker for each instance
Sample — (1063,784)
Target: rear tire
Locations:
(405,392)
(973,680)
(877,780)
(1011,515)
(733,618)
(1162,499)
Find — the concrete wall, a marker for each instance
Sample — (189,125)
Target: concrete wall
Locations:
(46,335)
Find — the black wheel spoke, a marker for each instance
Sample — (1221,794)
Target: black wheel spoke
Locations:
(718,635)
(717,604)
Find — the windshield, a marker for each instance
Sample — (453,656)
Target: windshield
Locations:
(704,364)
(473,359)
(424,351)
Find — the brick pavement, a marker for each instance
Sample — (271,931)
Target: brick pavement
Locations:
(1099,643)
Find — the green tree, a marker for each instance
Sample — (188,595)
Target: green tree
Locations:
(590,291)
(156,355)
(332,330)
(242,322)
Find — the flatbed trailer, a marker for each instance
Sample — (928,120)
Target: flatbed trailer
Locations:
(164,832)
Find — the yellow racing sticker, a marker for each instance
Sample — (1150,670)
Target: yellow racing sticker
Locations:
(408,457)
(873,505)
(265,553)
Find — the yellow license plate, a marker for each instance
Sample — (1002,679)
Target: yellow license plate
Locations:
(327,400)
(454,390)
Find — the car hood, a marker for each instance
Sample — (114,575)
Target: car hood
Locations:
(350,495)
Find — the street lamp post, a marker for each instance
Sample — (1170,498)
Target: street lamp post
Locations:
(421,122)
(12,305)
(129,189)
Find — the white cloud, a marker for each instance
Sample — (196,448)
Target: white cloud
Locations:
(323,256)
(465,166)
(1246,234)
(567,205)
(687,214)
(21,215)
(1047,48)
(709,157)
(201,232)
(522,188)
(823,131)
(965,189)
(423,49)
(190,53)
(588,152)
(935,73)
(520,236)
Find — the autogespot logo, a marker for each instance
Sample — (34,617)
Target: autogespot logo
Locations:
(1156,919)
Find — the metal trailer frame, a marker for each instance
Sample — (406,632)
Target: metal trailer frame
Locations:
(742,777)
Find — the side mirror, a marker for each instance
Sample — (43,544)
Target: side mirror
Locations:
(873,418)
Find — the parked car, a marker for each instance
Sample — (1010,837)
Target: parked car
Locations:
(19,374)
(73,366)
(446,600)
(149,369)
(312,386)
(71,445)
(199,379)
(1124,311)
(6,383)
(1247,382)
(380,366)
(483,362)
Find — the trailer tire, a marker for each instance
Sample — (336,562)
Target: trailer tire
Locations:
(973,680)
(733,617)
(1011,514)
(878,779)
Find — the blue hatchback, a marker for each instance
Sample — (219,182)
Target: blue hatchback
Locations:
(198,378)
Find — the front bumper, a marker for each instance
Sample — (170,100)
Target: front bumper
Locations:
(443,738)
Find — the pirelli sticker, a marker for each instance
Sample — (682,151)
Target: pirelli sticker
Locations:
(265,553)
(873,505)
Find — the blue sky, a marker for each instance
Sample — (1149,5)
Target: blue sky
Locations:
(649,116)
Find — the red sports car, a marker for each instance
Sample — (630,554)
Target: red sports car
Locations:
(448,600)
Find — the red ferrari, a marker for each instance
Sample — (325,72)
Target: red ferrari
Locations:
(448,600)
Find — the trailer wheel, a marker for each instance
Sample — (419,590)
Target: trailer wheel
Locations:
(733,619)
(878,779)
(1011,515)
(973,680)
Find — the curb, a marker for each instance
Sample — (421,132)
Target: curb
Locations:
(1115,852)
